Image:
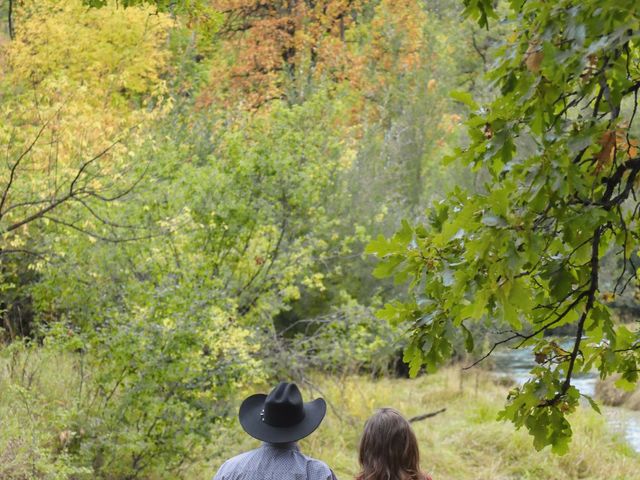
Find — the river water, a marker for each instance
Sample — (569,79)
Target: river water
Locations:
(517,363)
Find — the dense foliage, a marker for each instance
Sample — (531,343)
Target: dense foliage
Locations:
(181,218)
(556,159)
(187,188)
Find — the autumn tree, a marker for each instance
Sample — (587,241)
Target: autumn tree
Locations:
(285,50)
(72,103)
(556,153)
(85,263)
(281,46)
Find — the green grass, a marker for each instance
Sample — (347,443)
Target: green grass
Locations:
(465,442)
(37,396)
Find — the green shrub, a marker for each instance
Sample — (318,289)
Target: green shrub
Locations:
(136,399)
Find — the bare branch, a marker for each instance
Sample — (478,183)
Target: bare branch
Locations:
(14,167)
(86,164)
(39,214)
(97,236)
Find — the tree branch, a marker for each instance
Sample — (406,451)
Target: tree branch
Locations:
(14,167)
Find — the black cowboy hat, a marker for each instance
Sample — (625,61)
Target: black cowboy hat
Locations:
(281,416)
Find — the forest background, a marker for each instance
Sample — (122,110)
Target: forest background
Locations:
(187,192)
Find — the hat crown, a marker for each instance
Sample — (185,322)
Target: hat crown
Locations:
(283,407)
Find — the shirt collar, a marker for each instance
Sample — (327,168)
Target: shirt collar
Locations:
(283,446)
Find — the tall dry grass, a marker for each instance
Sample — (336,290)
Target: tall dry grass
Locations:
(37,403)
(609,394)
(465,442)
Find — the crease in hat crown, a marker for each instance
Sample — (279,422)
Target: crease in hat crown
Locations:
(283,407)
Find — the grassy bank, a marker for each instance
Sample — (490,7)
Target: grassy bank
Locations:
(609,394)
(465,442)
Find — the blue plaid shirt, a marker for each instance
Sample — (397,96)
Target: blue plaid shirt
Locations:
(274,462)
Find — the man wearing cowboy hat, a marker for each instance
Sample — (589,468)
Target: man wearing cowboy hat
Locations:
(279,419)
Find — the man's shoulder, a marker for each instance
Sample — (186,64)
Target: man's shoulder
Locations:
(317,466)
(240,459)
(314,461)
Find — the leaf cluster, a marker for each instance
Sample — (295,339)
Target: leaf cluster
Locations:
(556,154)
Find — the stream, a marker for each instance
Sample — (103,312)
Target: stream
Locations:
(517,363)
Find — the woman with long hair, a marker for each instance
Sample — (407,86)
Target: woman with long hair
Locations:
(389,449)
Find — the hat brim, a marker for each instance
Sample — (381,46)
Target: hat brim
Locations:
(252,423)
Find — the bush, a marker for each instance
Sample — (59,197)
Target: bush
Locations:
(136,399)
(349,340)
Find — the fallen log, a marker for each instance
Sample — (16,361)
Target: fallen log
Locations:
(424,416)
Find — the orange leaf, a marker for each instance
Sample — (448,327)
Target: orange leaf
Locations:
(533,56)
(608,141)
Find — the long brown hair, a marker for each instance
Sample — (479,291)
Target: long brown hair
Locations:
(388,448)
